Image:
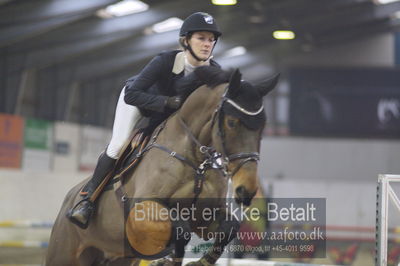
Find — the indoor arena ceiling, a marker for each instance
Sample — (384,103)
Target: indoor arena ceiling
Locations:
(61,61)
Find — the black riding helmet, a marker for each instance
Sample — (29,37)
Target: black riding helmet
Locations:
(198,21)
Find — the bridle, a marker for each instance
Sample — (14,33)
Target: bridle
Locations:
(212,158)
(243,156)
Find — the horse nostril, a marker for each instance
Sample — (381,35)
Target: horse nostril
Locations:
(240,191)
(243,196)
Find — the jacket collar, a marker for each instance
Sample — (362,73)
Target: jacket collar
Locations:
(179,63)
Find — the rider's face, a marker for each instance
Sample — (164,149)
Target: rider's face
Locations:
(202,43)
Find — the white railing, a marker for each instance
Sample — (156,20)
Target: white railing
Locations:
(384,193)
(253,262)
(25,224)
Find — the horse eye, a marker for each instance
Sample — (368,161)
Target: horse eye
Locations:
(231,123)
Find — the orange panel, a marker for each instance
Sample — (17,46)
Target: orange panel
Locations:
(11,140)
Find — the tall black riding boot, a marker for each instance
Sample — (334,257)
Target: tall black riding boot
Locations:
(81,213)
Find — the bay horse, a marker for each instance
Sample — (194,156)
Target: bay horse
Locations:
(213,137)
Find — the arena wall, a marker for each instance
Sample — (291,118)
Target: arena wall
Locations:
(344,171)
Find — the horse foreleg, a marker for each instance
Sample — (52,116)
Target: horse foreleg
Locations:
(225,233)
(181,236)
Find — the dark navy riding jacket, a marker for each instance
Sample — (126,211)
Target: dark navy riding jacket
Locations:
(161,78)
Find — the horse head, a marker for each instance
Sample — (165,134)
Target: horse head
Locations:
(235,124)
(241,123)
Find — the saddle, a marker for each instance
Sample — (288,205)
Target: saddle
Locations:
(128,160)
(130,157)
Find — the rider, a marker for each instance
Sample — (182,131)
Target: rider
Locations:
(157,91)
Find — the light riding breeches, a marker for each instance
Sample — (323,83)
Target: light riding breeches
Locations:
(126,117)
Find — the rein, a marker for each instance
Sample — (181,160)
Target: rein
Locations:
(213,159)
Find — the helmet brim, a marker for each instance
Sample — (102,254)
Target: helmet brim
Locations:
(216,33)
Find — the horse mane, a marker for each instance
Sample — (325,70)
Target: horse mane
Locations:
(212,75)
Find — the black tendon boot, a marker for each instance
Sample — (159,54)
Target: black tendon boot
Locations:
(81,213)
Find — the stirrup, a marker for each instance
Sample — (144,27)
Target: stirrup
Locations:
(90,209)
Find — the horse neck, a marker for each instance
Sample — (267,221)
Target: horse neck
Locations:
(199,108)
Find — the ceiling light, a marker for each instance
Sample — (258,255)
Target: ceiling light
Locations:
(236,51)
(167,25)
(384,2)
(123,8)
(395,15)
(224,2)
(283,35)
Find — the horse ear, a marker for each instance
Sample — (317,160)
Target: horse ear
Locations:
(268,85)
(234,83)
